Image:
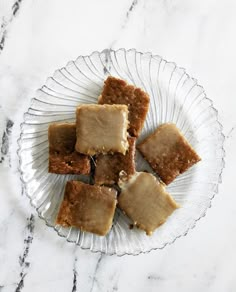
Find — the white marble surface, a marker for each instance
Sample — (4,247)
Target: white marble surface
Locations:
(37,37)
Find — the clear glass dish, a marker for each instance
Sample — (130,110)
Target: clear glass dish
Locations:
(175,97)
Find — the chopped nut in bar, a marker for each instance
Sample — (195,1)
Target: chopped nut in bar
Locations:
(145,201)
(88,207)
(101,129)
(117,91)
(109,166)
(63,159)
(168,152)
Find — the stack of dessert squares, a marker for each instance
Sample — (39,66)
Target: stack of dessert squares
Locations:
(103,139)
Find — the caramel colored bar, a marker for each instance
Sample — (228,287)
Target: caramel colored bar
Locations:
(109,166)
(63,159)
(88,207)
(101,129)
(145,201)
(168,152)
(117,91)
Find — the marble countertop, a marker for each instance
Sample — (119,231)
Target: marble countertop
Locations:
(37,37)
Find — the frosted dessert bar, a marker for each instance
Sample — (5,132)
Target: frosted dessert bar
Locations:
(101,129)
(88,207)
(168,152)
(145,201)
(63,159)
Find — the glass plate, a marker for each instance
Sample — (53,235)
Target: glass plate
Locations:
(174,97)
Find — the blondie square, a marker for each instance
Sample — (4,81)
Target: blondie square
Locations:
(145,201)
(109,166)
(168,152)
(117,91)
(88,207)
(63,159)
(101,129)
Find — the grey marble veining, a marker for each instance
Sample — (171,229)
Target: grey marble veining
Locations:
(5,141)
(23,261)
(11,9)
(37,37)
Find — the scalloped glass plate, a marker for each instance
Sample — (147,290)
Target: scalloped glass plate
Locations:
(174,97)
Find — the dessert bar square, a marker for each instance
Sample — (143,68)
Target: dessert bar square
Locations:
(168,152)
(63,159)
(88,207)
(117,91)
(109,166)
(101,129)
(145,201)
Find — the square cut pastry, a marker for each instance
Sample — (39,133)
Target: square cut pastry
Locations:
(168,152)
(145,201)
(63,159)
(108,166)
(101,129)
(88,207)
(117,91)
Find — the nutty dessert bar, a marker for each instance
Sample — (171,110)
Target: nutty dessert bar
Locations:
(101,129)
(88,207)
(168,152)
(63,159)
(109,166)
(145,201)
(117,91)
